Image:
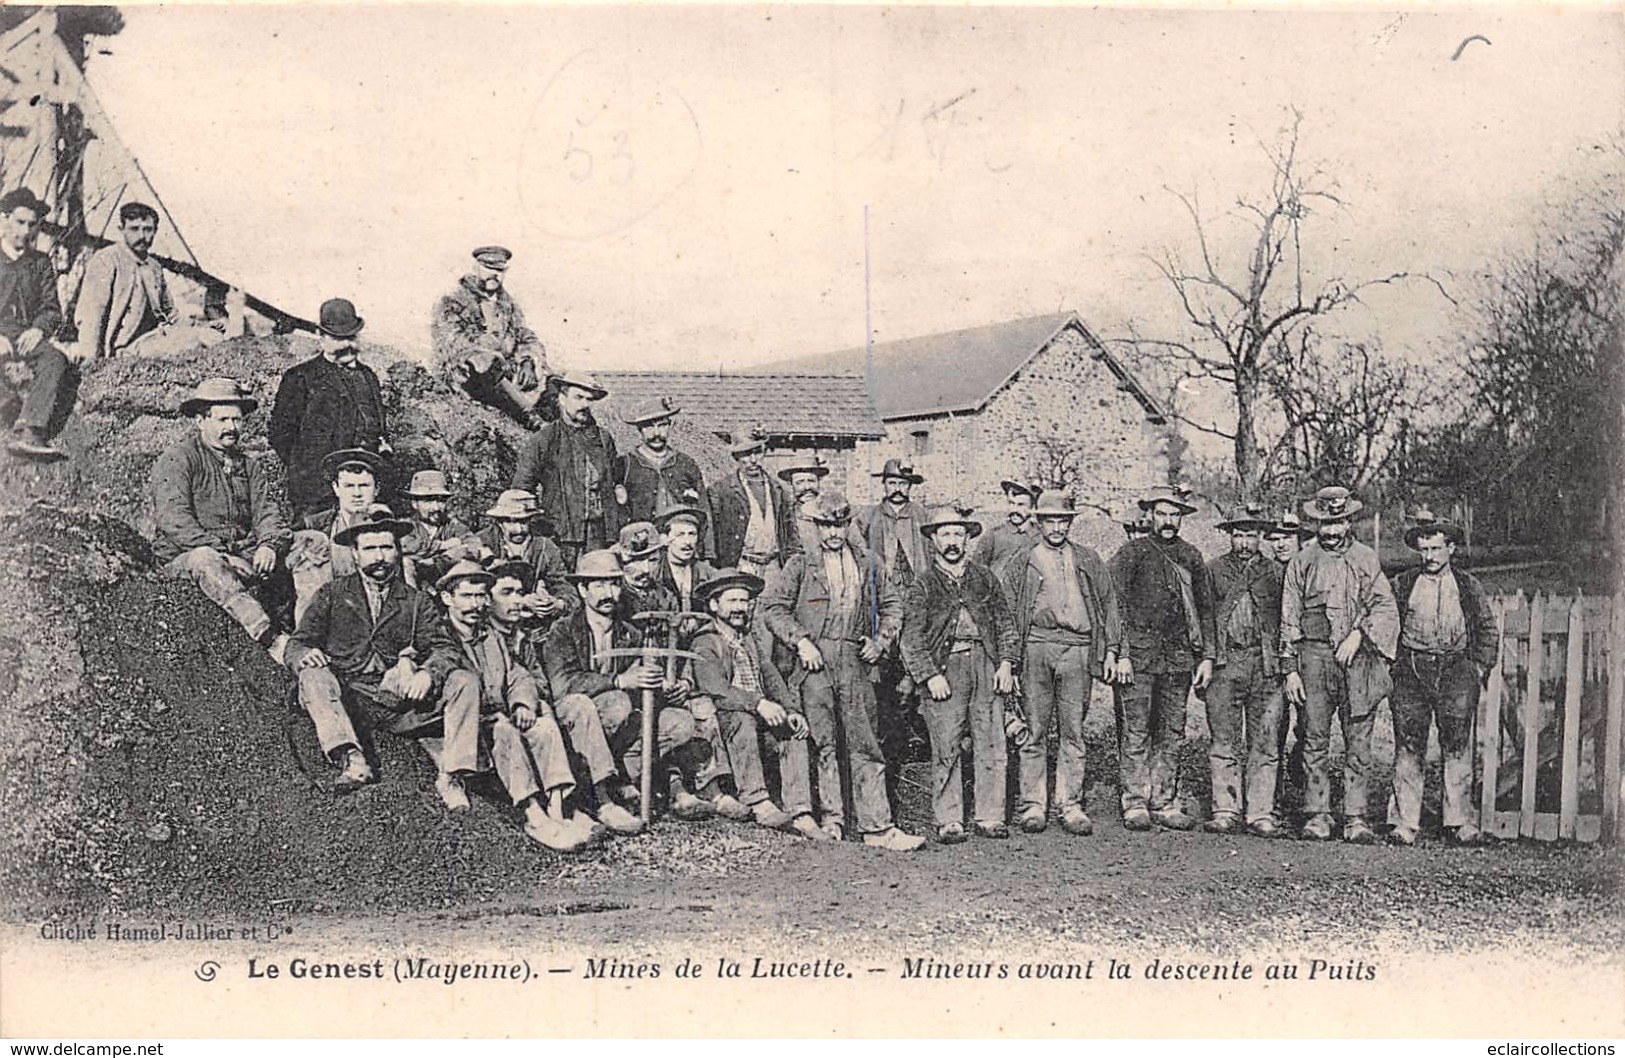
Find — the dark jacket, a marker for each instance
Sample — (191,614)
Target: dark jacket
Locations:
(1022,584)
(338,623)
(1258,576)
(642,483)
(545,560)
(703,571)
(912,552)
(195,504)
(731,507)
(797,601)
(1159,637)
(568,656)
(714,672)
(1483,638)
(321,408)
(931,605)
(544,467)
(28,296)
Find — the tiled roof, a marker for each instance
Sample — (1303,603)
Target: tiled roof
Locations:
(961,370)
(784,405)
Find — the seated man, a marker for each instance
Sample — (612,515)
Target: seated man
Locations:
(437,540)
(736,673)
(482,343)
(494,718)
(512,536)
(316,556)
(41,380)
(216,520)
(682,570)
(592,652)
(124,296)
(372,642)
(514,619)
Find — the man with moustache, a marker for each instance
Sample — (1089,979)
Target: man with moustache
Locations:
(839,612)
(370,645)
(1016,532)
(217,523)
(123,296)
(30,315)
(959,643)
(512,536)
(1339,632)
(804,478)
(654,475)
(569,465)
(682,570)
(1168,604)
(754,515)
(316,556)
(1069,630)
(483,345)
(513,617)
(1244,699)
(437,540)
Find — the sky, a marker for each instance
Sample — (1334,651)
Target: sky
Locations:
(691,187)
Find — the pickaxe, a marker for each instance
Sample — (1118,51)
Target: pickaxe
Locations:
(670,655)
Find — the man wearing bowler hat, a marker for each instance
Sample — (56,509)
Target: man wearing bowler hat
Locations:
(1244,699)
(754,515)
(326,404)
(569,464)
(1447,647)
(437,540)
(482,344)
(1018,529)
(959,643)
(1339,632)
(41,378)
(511,536)
(654,475)
(216,521)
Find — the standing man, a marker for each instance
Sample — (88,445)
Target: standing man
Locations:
(1168,598)
(959,643)
(1339,632)
(840,613)
(330,402)
(1281,541)
(437,540)
(217,523)
(569,465)
(1069,630)
(1016,532)
(1447,647)
(29,315)
(512,537)
(682,570)
(482,344)
(654,475)
(1244,700)
(123,296)
(754,515)
(805,479)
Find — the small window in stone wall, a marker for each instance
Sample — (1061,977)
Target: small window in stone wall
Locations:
(922,442)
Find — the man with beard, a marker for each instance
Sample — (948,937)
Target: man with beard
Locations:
(654,475)
(482,344)
(494,718)
(1069,630)
(371,643)
(1244,699)
(1339,632)
(839,612)
(123,296)
(805,478)
(513,618)
(326,404)
(683,571)
(569,466)
(437,540)
(1016,532)
(30,315)
(216,520)
(1447,647)
(1167,597)
(959,643)
(754,515)
(575,662)
(512,536)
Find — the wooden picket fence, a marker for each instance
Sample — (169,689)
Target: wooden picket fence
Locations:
(1554,704)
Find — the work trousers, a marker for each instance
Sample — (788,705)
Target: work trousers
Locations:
(971,705)
(1351,695)
(323,698)
(842,693)
(1244,716)
(678,744)
(527,762)
(51,392)
(584,735)
(231,584)
(1443,689)
(742,748)
(1056,685)
(1153,730)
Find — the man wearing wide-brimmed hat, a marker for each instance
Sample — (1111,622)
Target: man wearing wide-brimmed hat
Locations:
(1168,607)
(682,570)
(482,344)
(754,516)
(370,646)
(569,464)
(839,612)
(316,556)
(1069,632)
(959,643)
(325,404)
(1244,700)
(216,521)
(805,478)
(1339,632)
(30,314)
(1447,647)
(1016,531)
(756,712)
(654,475)
(512,536)
(437,539)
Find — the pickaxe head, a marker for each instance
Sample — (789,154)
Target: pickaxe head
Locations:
(668,616)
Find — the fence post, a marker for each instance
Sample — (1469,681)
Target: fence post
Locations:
(1490,724)
(1531,715)
(1573,675)
(1611,791)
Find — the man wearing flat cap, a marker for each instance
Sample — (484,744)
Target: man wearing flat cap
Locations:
(654,475)
(1016,532)
(317,556)
(1168,605)
(370,647)
(512,536)
(216,520)
(754,515)
(38,380)
(1447,647)
(326,404)
(483,346)
(682,570)
(569,464)
(1244,700)
(959,644)
(1339,632)
(437,539)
